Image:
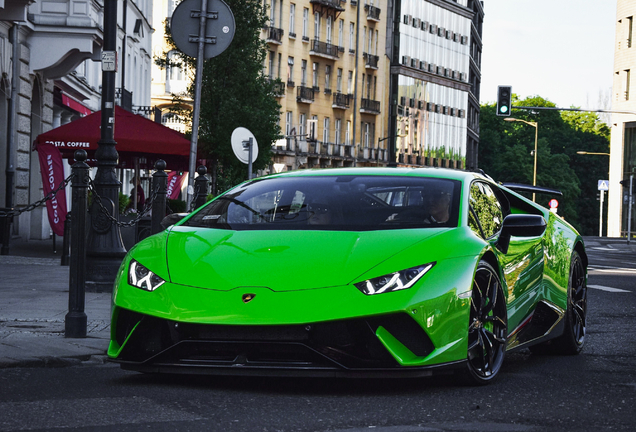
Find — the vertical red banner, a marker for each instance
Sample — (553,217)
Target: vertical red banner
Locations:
(174,184)
(52,170)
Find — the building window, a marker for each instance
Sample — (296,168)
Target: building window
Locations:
(348,133)
(290,69)
(630,21)
(292,20)
(327,77)
(272,13)
(350,83)
(314,75)
(329,29)
(325,130)
(313,128)
(288,123)
(338,131)
(305,23)
(364,78)
(301,126)
(303,73)
(341,33)
(352,37)
(626,84)
(339,81)
(317,26)
(271,64)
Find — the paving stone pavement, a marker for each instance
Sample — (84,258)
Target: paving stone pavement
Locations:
(34,301)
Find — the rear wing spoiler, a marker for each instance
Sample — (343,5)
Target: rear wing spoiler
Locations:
(518,187)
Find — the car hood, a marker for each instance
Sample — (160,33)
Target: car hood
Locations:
(281,260)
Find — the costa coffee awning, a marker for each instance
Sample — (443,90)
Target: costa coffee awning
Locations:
(136,136)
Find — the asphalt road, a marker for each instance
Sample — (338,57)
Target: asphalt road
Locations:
(593,391)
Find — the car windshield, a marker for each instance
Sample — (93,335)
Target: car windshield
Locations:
(342,203)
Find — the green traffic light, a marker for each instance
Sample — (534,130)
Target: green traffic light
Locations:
(503,109)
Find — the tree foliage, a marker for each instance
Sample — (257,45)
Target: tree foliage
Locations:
(235,92)
(506,154)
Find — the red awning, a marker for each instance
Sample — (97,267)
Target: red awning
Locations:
(136,136)
(75,105)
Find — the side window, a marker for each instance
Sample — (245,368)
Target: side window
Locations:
(486,215)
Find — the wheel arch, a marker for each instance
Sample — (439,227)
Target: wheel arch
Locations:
(580,249)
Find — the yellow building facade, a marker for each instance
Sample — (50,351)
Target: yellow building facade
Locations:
(329,56)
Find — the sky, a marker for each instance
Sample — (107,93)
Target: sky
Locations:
(561,50)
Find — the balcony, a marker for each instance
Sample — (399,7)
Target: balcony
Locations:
(373,13)
(324,49)
(274,35)
(278,87)
(341,100)
(324,5)
(371,61)
(369,106)
(305,94)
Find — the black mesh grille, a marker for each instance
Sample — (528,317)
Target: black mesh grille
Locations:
(344,344)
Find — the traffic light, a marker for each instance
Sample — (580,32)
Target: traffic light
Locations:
(504,100)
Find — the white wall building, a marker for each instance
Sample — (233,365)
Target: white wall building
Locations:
(58,80)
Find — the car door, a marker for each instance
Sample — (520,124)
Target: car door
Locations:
(522,265)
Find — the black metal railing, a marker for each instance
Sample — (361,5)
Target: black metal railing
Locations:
(324,48)
(279,87)
(373,13)
(341,100)
(370,105)
(275,34)
(335,4)
(371,61)
(305,94)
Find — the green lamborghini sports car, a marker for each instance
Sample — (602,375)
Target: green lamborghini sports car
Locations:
(353,272)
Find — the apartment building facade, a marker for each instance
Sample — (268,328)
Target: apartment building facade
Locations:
(56,80)
(376,83)
(623,126)
(435,80)
(329,56)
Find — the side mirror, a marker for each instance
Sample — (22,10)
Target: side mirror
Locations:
(172,219)
(520,225)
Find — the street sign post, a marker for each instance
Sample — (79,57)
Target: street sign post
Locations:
(213,21)
(245,147)
(603,185)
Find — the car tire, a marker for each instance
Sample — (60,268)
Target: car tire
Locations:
(573,338)
(487,328)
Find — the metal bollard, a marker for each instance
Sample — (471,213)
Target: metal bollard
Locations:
(160,185)
(201,185)
(75,320)
(5,231)
(66,240)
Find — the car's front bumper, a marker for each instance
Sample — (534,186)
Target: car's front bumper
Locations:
(360,347)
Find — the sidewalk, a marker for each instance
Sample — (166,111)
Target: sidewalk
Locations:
(33,304)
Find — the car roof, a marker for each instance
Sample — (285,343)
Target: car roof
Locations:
(445,173)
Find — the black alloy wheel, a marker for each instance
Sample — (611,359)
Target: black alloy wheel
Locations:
(488,326)
(577,305)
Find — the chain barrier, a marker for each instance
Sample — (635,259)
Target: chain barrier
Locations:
(91,187)
(39,203)
(106,212)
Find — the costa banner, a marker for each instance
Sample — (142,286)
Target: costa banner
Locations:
(52,171)
(174,184)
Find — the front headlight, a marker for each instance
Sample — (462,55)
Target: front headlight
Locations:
(395,281)
(140,277)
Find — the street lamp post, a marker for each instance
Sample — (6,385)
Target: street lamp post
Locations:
(602,196)
(536,136)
